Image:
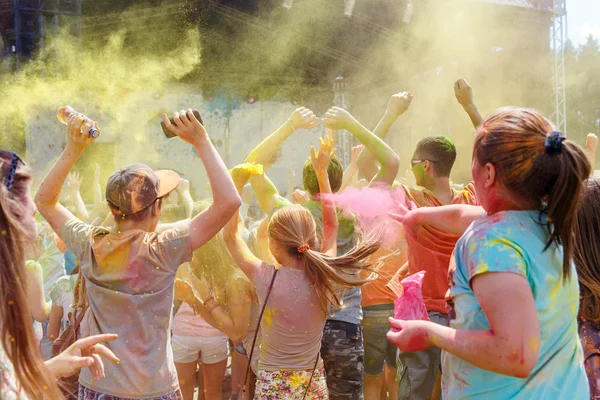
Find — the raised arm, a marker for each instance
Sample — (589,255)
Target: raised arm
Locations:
(337,118)
(453,218)
(40,309)
(48,194)
(464,96)
(591,145)
(320,162)
(74,188)
(397,105)
(184,190)
(239,250)
(301,118)
(352,170)
(265,191)
(226,200)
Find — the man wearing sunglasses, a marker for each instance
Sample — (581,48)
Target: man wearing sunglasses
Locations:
(430,249)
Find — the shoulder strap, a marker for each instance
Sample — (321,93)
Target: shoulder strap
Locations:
(311,375)
(262,311)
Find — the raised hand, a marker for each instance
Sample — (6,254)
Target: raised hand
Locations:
(355,154)
(399,103)
(187,127)
(463,92)
(184,186)
(337,118)
(74,182)
(303,118)
(591,143)
(78,127)
(321,160)
(201,285)
(300,196)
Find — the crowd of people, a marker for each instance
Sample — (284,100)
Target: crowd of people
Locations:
(149,293)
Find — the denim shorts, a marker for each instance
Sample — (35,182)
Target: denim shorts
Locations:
(378,349)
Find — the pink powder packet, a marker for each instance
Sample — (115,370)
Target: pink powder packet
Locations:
(410,306)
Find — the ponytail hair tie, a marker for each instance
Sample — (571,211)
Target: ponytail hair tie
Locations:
(303,248)
(553,143)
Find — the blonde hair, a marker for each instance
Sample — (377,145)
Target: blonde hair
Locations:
(216,264)
(294,228)
(16,335)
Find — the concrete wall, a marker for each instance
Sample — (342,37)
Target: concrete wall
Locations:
(134,135)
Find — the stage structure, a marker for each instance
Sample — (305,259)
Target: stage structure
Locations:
(25,23)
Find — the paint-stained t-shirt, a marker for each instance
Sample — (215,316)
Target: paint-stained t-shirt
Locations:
(129,278)
(293,321)
(513,242)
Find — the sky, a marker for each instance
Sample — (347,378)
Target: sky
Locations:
(583,19)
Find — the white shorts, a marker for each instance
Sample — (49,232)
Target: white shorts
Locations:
(209,350)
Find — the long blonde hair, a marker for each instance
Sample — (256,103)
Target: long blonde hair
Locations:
(293,227)
(16,323)
(216,264)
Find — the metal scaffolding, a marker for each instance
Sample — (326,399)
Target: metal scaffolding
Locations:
(344,139)
(558,32)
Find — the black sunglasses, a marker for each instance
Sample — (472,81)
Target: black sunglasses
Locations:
(12,169)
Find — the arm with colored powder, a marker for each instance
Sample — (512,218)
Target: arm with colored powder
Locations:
(56,315)
(239,250)
(40,308)
(226,200)
(184,190)
(352,170)
(397,105)
(337,118)
(509,347)
(591,145)
(464,96)
(48,194)
(320,162)
(453,218)
(301,118)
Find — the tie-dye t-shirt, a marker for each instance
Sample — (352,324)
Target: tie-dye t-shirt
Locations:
(129,278)
(513,242)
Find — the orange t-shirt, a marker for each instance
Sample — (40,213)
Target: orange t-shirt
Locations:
(394,247)
(431,249)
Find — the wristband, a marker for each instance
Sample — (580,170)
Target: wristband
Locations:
(213,307)
(292,125)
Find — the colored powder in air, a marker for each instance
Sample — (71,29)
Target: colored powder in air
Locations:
(410,306)
(369,204)
(251,168)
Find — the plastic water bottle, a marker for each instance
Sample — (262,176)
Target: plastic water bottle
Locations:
(63,115)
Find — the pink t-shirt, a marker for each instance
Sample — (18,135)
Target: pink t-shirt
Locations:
(186,323)
(293,321)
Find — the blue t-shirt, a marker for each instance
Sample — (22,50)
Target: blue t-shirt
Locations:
(514,241)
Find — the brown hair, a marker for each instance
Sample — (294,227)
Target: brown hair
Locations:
(16,335)
(293,227)
(513,140)
(586,251)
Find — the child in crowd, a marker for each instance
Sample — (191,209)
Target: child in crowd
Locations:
(514,289)
(24,375)
(225,307)
(129,274)
(429,249)
(296,296)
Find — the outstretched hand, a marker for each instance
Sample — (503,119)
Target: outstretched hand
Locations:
(399,103)
(408,218)
(74,182)
(337,118)
(321,160)
(463,92)
(83,353)
(303,118)
(299,196)
(187,126)
(591,143)
(409,336)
